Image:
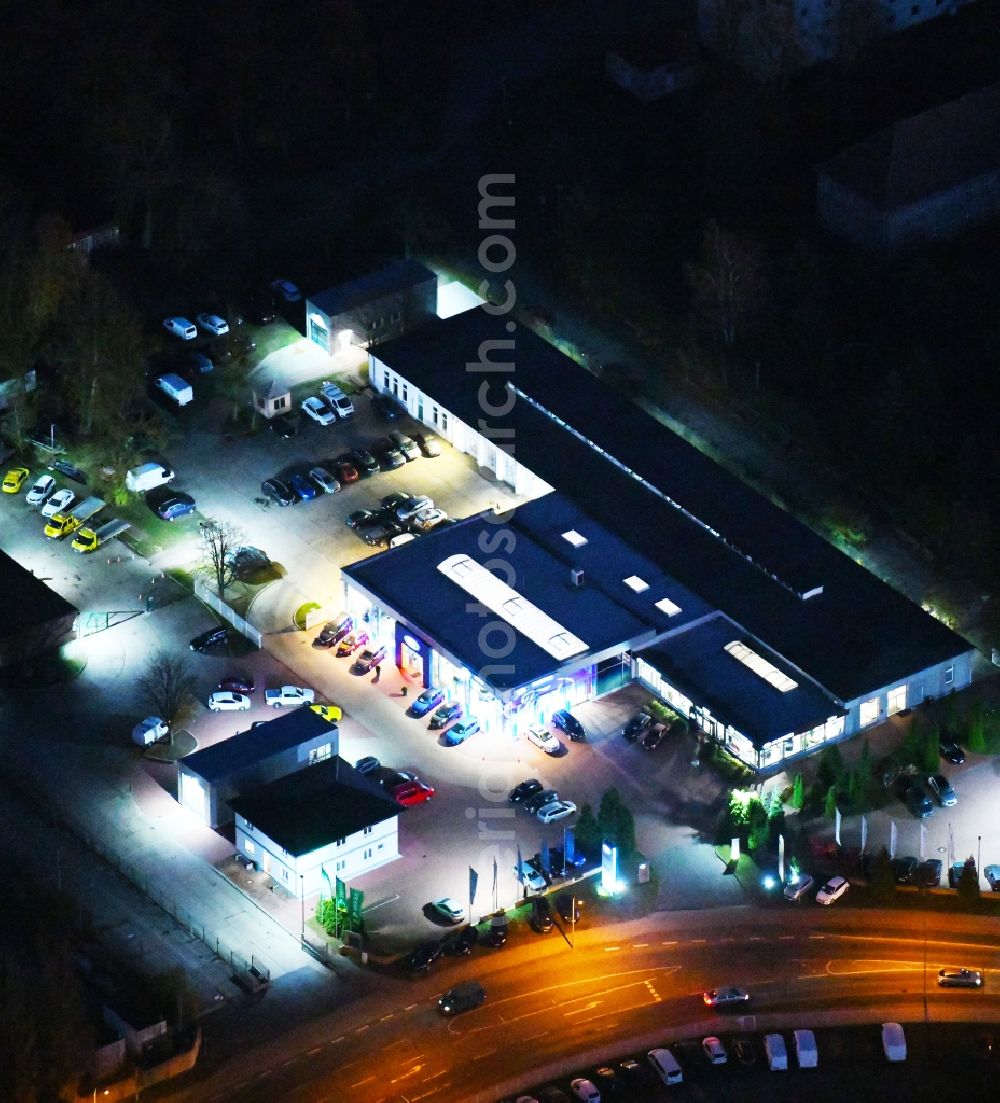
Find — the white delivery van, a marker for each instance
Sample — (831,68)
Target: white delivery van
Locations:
(805,1049)
(147,477)
(176,388)
(893,1042)
(777,1055)
(665,1066)
(149,731)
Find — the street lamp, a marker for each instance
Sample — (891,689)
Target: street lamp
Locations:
(979,856)
(302,902)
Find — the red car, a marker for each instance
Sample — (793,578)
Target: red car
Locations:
(345,472)
(412,792)
(349,644)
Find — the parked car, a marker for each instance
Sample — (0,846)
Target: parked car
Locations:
(391,502)
(41,489)
(444,715)
(530,877)
(346,471)
(654,737)
(385,407)
(929,873)
(359,518)
(426,519)
(211,638)
(714,1050)
(369,659)
(388,455)
(321,412)
(324,480)
(278,492)
(960,978)
(174,506)
(425,701)
(540,919)
(918,802)
(460,943)
(725,998)
(213,324)
(14,479)
(180,327)
(951,751)
(238,683)
(796,888)
(367,765)
(286,291)
(428,444)
(833,890)
(262,310)
(569,907)
(637,726)
(904,869)
(940,787)
(992,875)
(330,713)
(302,486)
(565,721)
(554,810)
(460,732)
(544,740)
(745,1053)
(288,697)
(283,426)
(225,700)
(342,405)
(378,534)
(334,631)
(413,792)
(406,445)
(539,799)
(584,1089)
(350,643)
(60,502)
(412,506)
(364,461)
(524,790)
(423,957)
(449,908)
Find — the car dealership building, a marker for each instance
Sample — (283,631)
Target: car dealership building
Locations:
(647,561)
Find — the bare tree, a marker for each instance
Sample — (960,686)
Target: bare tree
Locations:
(168,682)
(219,540)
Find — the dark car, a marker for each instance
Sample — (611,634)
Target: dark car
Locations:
(345,471)
(654,737)
(389,456)
(559,864)
(212,638)
(389,778)
(951,752)
(364,461)
(367,765)
(423,957)
(278,491)
(636,726)
(444,715)
(524,790)
(552,1095)
(497,935)
(607,1081)
(174,506)
(428,444)
(284,426)
(929,873)
(541,915)
(904,869)
(464,996)
(423,703)
(392,502)
(461,942)
(64,467)
(238,683)
(302,486)
(333,632)
(539,799)
(918,802)
(565,721)
(377,534)
(568,907)
(358,518)
(385,407)
(262,311)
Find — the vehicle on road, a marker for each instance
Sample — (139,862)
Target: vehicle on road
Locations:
(724,998)
(951,752)
(288,697)
(425,701)
(449,908)
(798,885)
(60,502)
(174,506)
(213,324)
(226,700)
(278,491)
(210,638)
(14,479)
(714,1050)
(180,327)
(40,491)
(460,732)
(565,721)
(413,792)
(324,480)
(444,715)
(940,787)
(555,810)
(464,996)
(637,726)
(525,789)
(544,740)
(960,978)
(833,890)
(369,659)
(319,411)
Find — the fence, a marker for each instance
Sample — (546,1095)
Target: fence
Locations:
(204,593)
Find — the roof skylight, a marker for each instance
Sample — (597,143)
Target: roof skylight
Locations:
(574,538)
(665,605)
(634,582)
(761,667)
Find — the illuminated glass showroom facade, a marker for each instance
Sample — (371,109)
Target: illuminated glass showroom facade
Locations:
(635,557)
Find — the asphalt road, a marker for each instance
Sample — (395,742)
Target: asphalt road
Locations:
(552,1008)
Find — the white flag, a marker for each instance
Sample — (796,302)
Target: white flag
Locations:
(836,825)
(864,833)
(781,858)
(892,839)
(951,846)
(923,842)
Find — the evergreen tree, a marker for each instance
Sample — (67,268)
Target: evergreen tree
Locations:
(798,792)
(587,833)
(968,883)
(881,881)
(830,802)
(977,728)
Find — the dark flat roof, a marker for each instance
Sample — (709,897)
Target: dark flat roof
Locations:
(316,806)
(394,277)
(27,601)
(245,748)
(696,663)
(611,459)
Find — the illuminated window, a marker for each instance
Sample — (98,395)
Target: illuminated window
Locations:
(319,754)
(761,667)
(665,605)
(895,700)
(249,846)
(574,538)
(868,712)
(634,582)
(949,675)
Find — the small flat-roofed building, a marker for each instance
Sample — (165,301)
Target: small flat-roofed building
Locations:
(209,779)
(308,828)
(35,618)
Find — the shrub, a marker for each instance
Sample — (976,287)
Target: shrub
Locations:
(798,792)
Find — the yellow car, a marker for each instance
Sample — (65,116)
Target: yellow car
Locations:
(330,713)
(14,479)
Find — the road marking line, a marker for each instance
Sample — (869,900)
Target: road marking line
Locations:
(313,1052)
(386,1018)
(818,937)
(410,1007)
(699,940)
(443,1072)
(334,1041)
(668,943)
(367,1080)
(488,1053)
(611,949)
(755,938)
(362,1029)
(639,945)
(781,938)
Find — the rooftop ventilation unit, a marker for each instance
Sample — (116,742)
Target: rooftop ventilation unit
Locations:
(576,576)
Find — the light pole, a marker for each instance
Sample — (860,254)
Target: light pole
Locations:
(302,903)
(572,920)
(979,856)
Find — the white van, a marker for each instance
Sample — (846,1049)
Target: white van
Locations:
(806,1052)
(176,388)
(147,477)
(665,1065)
(893,1042)
(777,1055)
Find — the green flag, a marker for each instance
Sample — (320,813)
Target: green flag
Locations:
(357,900)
